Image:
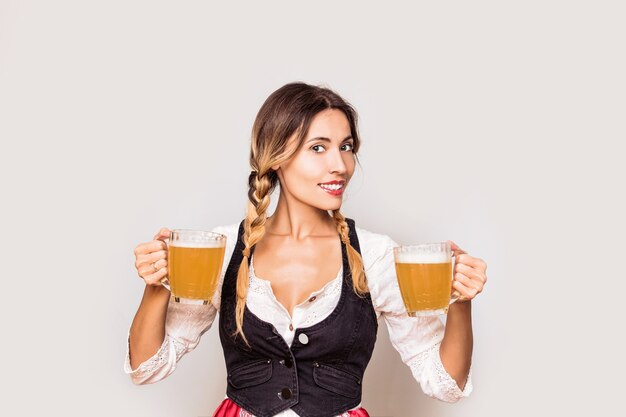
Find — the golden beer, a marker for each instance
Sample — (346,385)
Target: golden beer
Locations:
(425,278)
(194,264)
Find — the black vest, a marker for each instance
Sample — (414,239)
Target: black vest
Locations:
(320,374)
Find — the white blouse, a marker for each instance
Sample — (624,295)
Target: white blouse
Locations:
(417,339)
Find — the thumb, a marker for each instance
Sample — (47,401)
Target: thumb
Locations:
(162,234)
(455,248)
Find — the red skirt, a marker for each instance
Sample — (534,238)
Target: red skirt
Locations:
(228,408)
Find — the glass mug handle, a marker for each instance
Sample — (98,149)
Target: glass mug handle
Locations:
(165,281)
(455,295)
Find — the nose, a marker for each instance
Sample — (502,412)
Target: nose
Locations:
(336,163)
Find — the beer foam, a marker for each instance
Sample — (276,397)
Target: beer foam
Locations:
(203,245)
(422,258)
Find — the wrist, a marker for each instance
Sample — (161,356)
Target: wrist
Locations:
(461,306)
(156,292)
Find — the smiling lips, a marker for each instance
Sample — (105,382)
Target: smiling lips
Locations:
(333,187)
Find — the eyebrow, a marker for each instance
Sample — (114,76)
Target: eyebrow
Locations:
(326,139)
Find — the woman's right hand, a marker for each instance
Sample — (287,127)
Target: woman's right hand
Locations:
(151,258)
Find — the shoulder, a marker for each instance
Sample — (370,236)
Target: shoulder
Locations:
(379,266)
(372,238)
(374,245)
(229,230)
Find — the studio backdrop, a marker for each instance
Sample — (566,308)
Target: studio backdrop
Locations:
(497,125)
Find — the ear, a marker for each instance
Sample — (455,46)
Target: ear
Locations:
(276,167)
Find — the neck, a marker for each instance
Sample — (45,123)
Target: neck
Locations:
(299,221)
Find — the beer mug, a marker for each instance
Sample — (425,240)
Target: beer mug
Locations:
(194,264)
(424,275)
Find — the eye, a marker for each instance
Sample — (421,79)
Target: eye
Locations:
(350,145)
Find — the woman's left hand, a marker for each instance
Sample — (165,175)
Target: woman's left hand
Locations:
(469,275)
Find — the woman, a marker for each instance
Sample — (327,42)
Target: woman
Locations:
(296,342)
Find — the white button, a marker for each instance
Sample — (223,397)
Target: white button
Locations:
(304,339)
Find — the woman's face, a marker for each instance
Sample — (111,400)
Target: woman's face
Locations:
(325,157)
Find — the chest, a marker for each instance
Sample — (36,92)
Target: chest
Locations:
(294,271)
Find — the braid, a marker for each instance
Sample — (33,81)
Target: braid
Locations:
(359,281)
(260,188)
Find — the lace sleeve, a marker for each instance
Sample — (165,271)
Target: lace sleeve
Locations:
(416,339)
(185,324)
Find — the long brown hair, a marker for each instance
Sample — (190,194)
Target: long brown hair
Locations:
(287,111)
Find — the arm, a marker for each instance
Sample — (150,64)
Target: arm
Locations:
(418,340)
(147,331)
(458,341)
(163,331)
(184,326)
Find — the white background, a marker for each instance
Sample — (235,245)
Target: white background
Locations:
(495,124)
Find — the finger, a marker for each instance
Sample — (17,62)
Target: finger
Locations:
(151,257)
(466,292)
(470,272)
(468,282)
(155,278)
(146,270)
(160,263)
(163,233)
(471,261)
(149,247)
